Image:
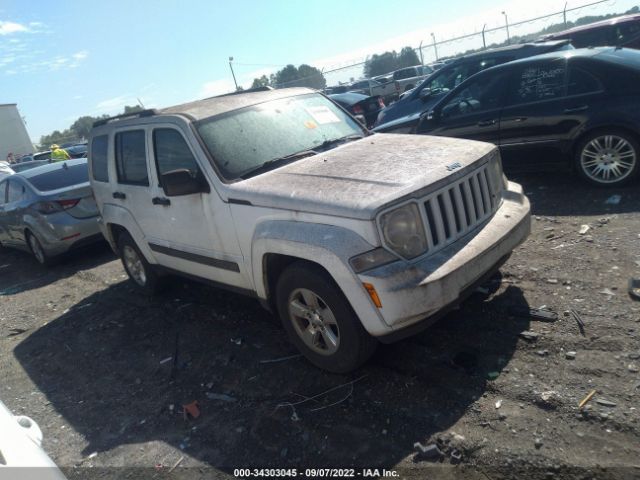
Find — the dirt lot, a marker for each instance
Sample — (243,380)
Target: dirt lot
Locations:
(86,356)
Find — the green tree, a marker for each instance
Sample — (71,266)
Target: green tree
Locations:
(132,109)
(303,76)
(83,125)
(263,81)
(407,58)
(380,64)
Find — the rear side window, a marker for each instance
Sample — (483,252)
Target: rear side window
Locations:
(581,82)
(61,177)
(3,193)
(536,83)
(131,158)
(15,192)
(99,158)
(595,37)
(172,152)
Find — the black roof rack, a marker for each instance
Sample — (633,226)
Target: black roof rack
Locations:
(140,114)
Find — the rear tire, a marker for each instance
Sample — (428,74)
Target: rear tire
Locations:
(36,249)
(320,321)
(608,158)
(140,272)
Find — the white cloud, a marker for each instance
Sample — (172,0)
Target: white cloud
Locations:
(80,55)
(217,87)
(7,28)
(115,103)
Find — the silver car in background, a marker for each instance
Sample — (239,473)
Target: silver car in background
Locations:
(48,210)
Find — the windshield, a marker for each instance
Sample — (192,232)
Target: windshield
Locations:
(246,139)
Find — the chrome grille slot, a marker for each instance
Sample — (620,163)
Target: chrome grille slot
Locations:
(455,210)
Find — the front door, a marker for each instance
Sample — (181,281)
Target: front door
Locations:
(474,112)
(191,233)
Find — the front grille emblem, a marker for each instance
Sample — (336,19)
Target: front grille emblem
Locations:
(454,166)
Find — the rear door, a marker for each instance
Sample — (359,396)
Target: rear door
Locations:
(533,124)
(4,224)
(131,188)
(14,211)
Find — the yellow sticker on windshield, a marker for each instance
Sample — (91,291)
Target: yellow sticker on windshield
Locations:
(310,124)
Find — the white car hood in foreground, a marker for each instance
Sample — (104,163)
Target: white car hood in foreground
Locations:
(20,453)
(358,178)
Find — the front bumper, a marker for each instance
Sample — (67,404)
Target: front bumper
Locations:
(412,293)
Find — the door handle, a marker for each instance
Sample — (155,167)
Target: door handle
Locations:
(581,108)
(160,201)
(119,195)
(487,123)
(518,119)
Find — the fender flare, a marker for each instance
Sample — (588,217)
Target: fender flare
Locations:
(119,215)
(330,247)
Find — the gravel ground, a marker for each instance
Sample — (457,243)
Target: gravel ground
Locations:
(106,372)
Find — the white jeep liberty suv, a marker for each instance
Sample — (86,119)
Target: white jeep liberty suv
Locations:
(351,238)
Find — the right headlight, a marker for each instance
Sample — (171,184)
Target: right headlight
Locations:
(403,231)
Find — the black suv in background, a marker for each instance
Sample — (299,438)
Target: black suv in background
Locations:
(577,108)
(403,115)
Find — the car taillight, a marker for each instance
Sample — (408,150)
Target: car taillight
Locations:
(381,102)
(54,206)
(357,110)
(66,204)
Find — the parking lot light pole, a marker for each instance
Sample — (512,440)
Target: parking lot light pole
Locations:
(435,46)
(484,43)
(233,74)
(506,21)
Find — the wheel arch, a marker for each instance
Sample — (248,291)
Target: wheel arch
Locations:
(635,134)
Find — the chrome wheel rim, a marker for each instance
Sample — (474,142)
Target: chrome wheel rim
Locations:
(314,322)
(134,265)
(608,159)
(36,248)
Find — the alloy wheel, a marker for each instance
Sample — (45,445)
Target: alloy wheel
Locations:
(134,265)
(314,321)
(37,250)
(608,159)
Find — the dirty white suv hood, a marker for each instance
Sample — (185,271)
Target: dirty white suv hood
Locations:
(358,178)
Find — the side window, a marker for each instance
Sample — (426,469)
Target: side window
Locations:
(481,94)
(99,158)
(172,152)
(15,191)
(581,82)
(595,37)
(3,192)
(627,31)
(131,158)
(537,82)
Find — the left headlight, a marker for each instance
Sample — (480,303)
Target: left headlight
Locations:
(403,231)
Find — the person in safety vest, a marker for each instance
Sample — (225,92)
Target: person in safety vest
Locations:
(59,154)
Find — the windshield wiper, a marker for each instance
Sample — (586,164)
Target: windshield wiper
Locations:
(276,162)
(328,144)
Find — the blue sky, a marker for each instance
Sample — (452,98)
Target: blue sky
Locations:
(60,60)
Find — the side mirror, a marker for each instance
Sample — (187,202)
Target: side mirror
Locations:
(424,93)
(181,182)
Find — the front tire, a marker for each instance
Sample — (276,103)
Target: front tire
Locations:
(320,321)
(141,273)
(608,158)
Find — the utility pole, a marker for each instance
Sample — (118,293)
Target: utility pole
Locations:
(233,74)
(506,21)
(564,14)
(420,49)
(435,46)
(484,43)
